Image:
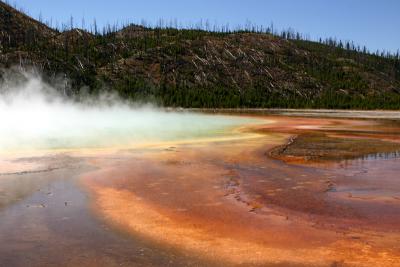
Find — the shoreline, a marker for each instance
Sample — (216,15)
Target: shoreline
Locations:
(332,113)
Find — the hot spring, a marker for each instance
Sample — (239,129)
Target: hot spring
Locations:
(34,117)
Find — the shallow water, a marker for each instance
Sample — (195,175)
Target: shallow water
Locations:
(221,202)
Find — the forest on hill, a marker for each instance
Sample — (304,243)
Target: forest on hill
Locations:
(202,67)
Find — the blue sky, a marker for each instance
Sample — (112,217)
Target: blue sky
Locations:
(374,23)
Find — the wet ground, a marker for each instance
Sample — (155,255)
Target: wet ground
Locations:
(295,192)
(46,221)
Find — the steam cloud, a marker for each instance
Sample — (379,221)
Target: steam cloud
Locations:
(34,116)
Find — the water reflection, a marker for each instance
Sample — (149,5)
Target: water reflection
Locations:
(46,221)
(372,157)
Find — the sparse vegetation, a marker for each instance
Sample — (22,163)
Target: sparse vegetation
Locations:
(204,66)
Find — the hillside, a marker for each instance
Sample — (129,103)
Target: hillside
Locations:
(195,68)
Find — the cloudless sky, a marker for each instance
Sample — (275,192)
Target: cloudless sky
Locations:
(374,23)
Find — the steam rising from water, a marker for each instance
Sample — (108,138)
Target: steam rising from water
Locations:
(33,116)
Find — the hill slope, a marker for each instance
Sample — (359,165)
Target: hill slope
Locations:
(194,68)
